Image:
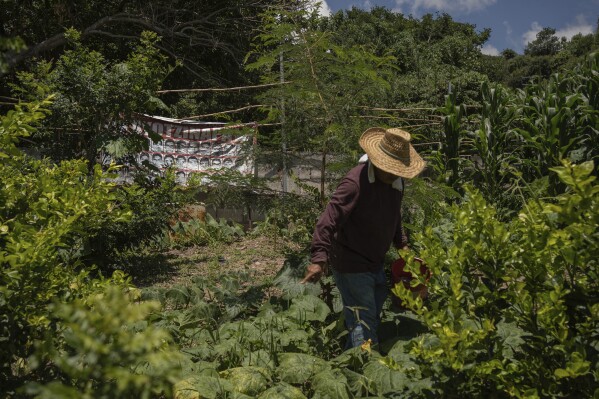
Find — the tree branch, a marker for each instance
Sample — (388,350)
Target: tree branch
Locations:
(226,112)
(199,31)
(221,89)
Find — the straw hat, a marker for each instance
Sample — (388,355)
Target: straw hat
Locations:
(390,150)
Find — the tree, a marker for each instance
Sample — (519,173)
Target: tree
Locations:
(207,38)
(8,47)
(325,83)
(191,29)
(580,44)
(546,43)
(429,52)
(96,101)
(508,54)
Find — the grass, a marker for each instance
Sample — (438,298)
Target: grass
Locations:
(259,257)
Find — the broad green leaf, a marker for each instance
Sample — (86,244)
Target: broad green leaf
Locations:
(248,380)
(200,310)
(359,384)
(309,308)
(511,338)
(260,358)
(288,279)
(562,373)
(200,387)
(178,295)
(282,391)
(297,338)
(331,384)
(117,148)
(385,377)
(399,354)
(202,351)
(297,368)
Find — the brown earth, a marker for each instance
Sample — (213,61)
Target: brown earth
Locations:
(259,257)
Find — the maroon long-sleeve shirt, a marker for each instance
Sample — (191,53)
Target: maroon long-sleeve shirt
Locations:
(359,224)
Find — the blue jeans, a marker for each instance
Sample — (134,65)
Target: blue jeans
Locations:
(367,291)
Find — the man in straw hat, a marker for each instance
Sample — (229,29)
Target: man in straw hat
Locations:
(361,221)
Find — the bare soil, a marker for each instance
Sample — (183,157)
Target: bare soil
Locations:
(258,257)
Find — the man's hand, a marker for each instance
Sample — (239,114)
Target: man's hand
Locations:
(314,272)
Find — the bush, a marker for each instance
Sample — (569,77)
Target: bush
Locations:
(514,309)
(151,202)
(100,353)
(290,216)
(200,233)
(46,211)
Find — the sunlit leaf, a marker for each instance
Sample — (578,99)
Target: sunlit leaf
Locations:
(297,368)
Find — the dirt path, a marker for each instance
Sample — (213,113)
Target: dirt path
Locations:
(260,258)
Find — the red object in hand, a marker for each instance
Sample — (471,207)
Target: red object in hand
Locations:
(400,275)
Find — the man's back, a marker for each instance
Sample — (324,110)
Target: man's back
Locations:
(359,224)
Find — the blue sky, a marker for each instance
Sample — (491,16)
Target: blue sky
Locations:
(513,23)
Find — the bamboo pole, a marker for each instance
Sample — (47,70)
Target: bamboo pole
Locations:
(220,88)
(232,111)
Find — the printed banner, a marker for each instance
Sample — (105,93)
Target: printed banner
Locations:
(190,146)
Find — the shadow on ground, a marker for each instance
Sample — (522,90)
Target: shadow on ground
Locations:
(399,327)
(153,269)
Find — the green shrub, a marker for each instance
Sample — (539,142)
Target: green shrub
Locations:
(45,212)
(100,353)
(514,309)
(200,233)
(151,203)
(290,216)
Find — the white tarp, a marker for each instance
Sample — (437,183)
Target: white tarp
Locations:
(191,146)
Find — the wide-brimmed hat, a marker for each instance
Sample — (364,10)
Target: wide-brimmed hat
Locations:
(390,150)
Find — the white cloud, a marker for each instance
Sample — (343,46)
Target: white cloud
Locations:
(414,6)
(323,10)
(508,28)
(581,26)
(367,5)
(489,50)
(570,30)
(509,38)
(531,34)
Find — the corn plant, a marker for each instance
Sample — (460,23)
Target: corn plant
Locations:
(560,119)
(447,161)
(495,144)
